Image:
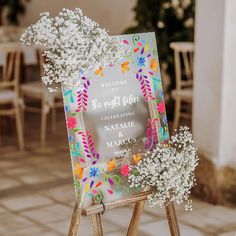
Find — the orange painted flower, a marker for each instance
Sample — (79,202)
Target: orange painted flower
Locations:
(99,71)
(111,165)
(136,158)
(154,64)
(125,67)
(78,171)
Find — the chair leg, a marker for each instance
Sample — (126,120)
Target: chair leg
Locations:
(97,224)
(172,220)
(134,223)
(19,127)
(0,130)
(177,114)
(22,106)
(43,124)
(54,115)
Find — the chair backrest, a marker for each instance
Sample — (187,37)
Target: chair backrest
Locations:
(41,60)
(10,33)
(183,57)
(10,70)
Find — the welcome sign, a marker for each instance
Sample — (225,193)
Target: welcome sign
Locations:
(117,115)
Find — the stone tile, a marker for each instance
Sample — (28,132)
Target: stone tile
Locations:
(162,228)
(62,194)
(116,233)
(36,178)
(17,154)
(109,229)
(7,149)
(2,210)
(33,216)
(231,233)
(62,174)
(85,227)
(48,214)
(158,212)
(41,160)
(34,230)
(198,204)
(114,217)
(11,222)
(25,202)
(19,170)
(7,183)
(155,212)
(214,219)
(61,226)
(7,164)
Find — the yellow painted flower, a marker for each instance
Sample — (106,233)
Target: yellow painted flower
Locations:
(125,67)
(136,158)
(111,165)
(154,64)
(78,171)
(86,187)
(99,71)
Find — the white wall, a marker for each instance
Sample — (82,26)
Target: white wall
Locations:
(228,111)
(114,15)
(214,113)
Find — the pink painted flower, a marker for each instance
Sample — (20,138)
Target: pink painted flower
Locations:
(161,107)
(71,122)
(124,170)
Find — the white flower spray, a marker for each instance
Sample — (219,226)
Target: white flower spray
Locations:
(74,45)
(168,170)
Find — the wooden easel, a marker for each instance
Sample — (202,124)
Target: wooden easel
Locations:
(95,212)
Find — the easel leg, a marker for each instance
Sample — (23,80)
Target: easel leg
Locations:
(172,220)
(97,224)
(74,225)
(134,223)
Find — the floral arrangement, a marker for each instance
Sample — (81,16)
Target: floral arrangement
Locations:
(74,44)
(168,170)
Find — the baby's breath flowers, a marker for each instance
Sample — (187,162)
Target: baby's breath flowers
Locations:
(74,44)
(168,170)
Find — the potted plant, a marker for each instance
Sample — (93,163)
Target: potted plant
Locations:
(13,9)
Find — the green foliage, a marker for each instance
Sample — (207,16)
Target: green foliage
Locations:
(14,8)
(169,19)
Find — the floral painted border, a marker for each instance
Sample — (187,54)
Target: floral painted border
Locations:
(95,179)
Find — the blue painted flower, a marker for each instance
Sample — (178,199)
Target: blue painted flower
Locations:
(161,95)
(164,120)
(81,72)
(67,108)
(141,61)
(70,138)
(94,171)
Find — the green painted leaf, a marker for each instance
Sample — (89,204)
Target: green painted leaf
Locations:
(75,153)
(77,146)
(116,178)
(67,92)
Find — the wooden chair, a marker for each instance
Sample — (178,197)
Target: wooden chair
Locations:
(183,94)
(49,101)
(10,33)
(10,102)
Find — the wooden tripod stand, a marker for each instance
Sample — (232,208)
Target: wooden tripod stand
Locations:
(95,212)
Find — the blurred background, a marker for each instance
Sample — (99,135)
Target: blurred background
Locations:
(197,46)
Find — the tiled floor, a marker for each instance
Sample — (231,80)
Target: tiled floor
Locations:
(36,196)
